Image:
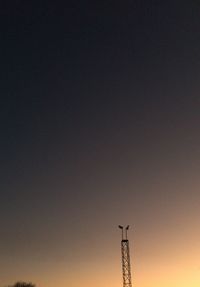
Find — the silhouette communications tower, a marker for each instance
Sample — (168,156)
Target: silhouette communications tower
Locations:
(126,265)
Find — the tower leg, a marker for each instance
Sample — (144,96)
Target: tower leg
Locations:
(126,266)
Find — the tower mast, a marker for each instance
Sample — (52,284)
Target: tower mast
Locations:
(126,266)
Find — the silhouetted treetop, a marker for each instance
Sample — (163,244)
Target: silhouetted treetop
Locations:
(23,284)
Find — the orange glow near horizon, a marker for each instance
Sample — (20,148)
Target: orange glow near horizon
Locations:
(169,268)
(163,255)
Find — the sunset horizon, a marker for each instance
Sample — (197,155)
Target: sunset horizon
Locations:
(100,127)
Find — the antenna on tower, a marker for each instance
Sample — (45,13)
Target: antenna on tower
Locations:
(126,266)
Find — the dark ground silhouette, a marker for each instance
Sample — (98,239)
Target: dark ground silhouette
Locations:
(22,284)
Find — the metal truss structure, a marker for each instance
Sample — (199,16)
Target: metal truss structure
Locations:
(126,266)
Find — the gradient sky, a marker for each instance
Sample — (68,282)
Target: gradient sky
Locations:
(100,126)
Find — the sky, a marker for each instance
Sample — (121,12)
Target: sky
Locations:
(100,126)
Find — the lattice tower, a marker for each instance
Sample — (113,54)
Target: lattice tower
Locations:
(126,266)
